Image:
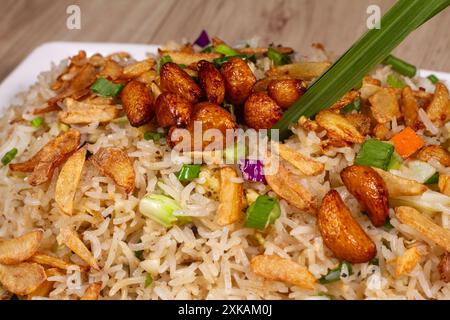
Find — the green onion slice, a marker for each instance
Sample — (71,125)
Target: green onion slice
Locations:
(161,209)
(182,66)
(433,78)
(334,275)
(355,105)
(434,179)
(395,163)
(155,136)
(139,254)
(264,211)
(225,50)
(218,62)
(387,225)
(375,153)
(148,280)
(161,62)
(347,72)
(106,88)
(375,261)
(402,67)
(394,81)
(207,49)
(189,172)
(37,122)
(277,57)
(9,156)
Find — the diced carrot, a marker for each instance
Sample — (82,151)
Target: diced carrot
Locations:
(407,142)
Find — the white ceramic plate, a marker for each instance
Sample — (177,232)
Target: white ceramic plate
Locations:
(41,58)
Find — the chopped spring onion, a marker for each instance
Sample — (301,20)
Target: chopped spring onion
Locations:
(402,67)
(327,295)
(106,88)
(182,66)
(396,162)
(207,49)
(161,209)
(264,211)
(233,154)
(428,201)
(278,58)
(355,105)
(7,158)
(433,78)
(371,49)
(434,179)
(230,108)
(375,153)
(139,254)
(148,280)
(121,120)
(225,50)
(218,62)
(189,172)
(394,81)
(161,62)
(344,269)
(387,225)
(37,122)
(155,136)
(375,261)
(417,170)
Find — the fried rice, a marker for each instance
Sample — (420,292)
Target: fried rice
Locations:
(139,258)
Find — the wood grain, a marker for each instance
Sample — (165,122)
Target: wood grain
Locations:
(25,24)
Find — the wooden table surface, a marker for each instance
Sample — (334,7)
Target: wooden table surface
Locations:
(25,24)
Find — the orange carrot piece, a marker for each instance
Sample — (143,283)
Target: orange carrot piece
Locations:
(407,142)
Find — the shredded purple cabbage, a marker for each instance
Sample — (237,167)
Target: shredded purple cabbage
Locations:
(252,170)
(203,39)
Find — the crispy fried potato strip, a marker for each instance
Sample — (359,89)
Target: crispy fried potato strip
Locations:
(230,198)
(85,113)
(444,184)
(275,268)
(369,87)
(47,260)
(384,105)
(399,186)
(302,71)
(92,292)
(20,249)
(22,278)
(43,163)
(407,262)
(114,163)
(187,58)
(46,287)
(439,109)
(70,238)
(250,51)
(424,225)
(284,185)
(136,69)
(435,152)
(409,107)
(112,70)
(338,126)
(307,166)
(348,98)
(78,86)
(68,179)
